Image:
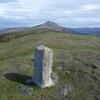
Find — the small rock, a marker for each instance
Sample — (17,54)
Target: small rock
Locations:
(94,77)
(97,97)
(24,90)
(94,66)
(68,72)
(66,89)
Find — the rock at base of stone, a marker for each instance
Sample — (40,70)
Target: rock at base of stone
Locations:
(48,84)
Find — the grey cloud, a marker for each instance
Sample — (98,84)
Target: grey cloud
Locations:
(7,1)
(63,12)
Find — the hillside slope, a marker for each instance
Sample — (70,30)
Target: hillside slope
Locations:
(76,64)
(12,33)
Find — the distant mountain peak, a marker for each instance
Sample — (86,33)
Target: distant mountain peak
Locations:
(52,26)
(50,23)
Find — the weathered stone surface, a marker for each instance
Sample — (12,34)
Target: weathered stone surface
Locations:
(43,66)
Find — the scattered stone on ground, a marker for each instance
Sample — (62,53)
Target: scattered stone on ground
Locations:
(24,90)
(68,72)
(66,89)
(93,66)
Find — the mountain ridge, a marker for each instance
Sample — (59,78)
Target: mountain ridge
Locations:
(52,26)
(87,30)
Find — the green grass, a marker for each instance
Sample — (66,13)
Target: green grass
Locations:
(73,53)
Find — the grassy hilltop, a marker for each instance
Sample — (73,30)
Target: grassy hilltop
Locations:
(76,62)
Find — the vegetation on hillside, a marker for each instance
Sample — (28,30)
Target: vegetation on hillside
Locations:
(76,65)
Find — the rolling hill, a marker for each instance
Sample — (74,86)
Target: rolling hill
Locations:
(8,30)
(13,33)
(76,66)
(51,26)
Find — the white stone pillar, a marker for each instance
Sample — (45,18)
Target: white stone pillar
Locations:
(43,66)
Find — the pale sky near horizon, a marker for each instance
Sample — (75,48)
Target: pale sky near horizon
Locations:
(69,13)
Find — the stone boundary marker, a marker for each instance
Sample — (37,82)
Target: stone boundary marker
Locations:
(43,66)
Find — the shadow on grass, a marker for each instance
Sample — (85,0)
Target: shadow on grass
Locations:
(15,77)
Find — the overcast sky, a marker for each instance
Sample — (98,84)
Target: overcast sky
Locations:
(69,13)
